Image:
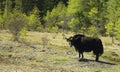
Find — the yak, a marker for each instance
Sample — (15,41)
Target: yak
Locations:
(83,44)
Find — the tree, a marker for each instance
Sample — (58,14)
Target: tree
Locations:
(96,14)
(28,6)
(18,5)
(77,10)
(87,14)
(5,13)
(113,15)
(117,29)
(1,21)
(34,20)
(17,23)
(56,18)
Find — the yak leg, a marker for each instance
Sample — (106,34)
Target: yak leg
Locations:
(79,55)
(97,57)
(82,56)
(97,54)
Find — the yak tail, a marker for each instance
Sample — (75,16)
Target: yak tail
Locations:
(101,50)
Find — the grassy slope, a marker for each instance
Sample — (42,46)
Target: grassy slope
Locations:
(42,53)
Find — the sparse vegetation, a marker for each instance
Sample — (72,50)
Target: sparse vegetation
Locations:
(45,41)
(56,56)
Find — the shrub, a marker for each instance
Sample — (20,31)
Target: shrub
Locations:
(45,41)
(16,24)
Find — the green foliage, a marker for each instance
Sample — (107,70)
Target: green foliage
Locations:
(113,10)
(6,17)
(73,24)
(117,29)
(87,16)
(1,21)
(34,20)
(18,5)
(17,24)
(89,13)
(74,9)
(92,12)
(23,32)
(78,11)
(56,17)
(92,31)
(5,14)
(8,5)
(113,14)
(109,28)
(74,6)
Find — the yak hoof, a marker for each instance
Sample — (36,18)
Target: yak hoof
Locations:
(97,60)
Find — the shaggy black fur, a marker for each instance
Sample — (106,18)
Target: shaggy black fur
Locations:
(83,44)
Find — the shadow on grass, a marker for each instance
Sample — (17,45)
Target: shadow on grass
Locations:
(102,62)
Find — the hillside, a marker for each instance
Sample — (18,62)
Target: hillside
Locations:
(49,52)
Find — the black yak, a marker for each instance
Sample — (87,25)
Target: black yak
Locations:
(83,44)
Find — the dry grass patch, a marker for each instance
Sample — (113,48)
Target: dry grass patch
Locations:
(55,56)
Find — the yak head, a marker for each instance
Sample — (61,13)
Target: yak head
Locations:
(73,40)
(70,40)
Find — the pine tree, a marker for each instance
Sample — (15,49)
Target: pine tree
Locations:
(6,14)
(34,20)
(55,19)
(18,5)
(76,11)
(83,14)
(113,15)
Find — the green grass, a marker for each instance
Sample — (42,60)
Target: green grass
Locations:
(112,55)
